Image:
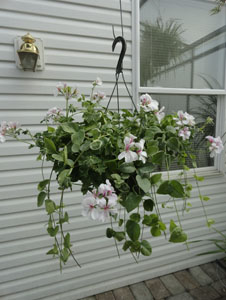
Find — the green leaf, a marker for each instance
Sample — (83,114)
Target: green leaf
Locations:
(41,198)
(84,147)
(155,231)
(199,178)
(53,251)
(127,168)
(109,233)
(158,158)
(42,184)
(178,236)
(70,127)
(75,148)
(51,129)
(148,204)
(65,255)
(119,236)
(204,198)
(131,202)
(135,217)
(53,231)
(67,241)
(151,220)
(78,137)
(120,222)
(147,168)
(172,226)
(162,226)
(62,176)
(126,245)
(58,157)
(177,189)
(172,188)
(151,150)
(173,144)
(50,206)
(50,146)
(210,222)
(96,145)
(156,178)
(146,249)
(143,183)
(133,230)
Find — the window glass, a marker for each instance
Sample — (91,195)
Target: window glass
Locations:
(180,43)
(200,107)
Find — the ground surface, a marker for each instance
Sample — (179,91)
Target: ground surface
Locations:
(204,282)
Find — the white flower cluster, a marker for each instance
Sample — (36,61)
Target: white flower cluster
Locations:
(130,145)
(216,145)
(54,114)
(98,96)
(7,127)
(148,104)
(65,90)
(101,203)
(184,122)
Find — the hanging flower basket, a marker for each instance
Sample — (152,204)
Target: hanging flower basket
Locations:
(116,159)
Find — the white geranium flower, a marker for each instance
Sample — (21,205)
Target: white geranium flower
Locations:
(189,119)
(90,208)
(106,189)
(128,154)
(216,145)
(98,81)
(160,114)
(99,96)
(142,155)
(184,119)
(184,133)
(107,208)
(148,104)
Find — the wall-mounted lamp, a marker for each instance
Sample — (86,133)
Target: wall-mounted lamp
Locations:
(29,53)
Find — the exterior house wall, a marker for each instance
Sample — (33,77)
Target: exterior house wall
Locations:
(77,38)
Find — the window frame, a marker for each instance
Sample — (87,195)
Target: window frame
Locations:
(219,162)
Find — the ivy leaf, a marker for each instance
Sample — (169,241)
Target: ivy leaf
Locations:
(158,157)
(147,168)
(172,188)
(53,231)
(127,168)
(110,233)
(178,236)
(70,127)
(135,217)
(65,255)
(131,202)
(50,146)
(119,236)
(78,137)
(41,198)
(50,206)
(53,251)
(151,220)
(96,145)
(58,157)
(146,249)
(155,231)
(42,184)
(120,222)
(173,144)
(133,230)
(67,241)
(148,204)
(62,176)
(126,245)
(75,148)
(156,178)
(172,226)
(143,183)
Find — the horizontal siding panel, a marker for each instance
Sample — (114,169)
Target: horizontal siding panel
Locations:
(64,42)
(62,26)
(69,12)
(71,58)
(56,73)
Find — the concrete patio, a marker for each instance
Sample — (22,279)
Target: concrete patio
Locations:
(204,282)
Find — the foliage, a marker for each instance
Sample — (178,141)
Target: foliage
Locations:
(114,157)
(217,9)
(161,44)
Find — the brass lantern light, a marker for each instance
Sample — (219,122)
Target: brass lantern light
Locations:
(28,53)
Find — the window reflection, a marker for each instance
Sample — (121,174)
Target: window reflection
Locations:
(179,41)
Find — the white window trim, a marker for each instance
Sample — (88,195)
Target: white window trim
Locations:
(219,164)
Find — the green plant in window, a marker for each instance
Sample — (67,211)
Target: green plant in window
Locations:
(113,158)
(161,45)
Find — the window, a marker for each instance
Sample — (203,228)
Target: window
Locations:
(180,60)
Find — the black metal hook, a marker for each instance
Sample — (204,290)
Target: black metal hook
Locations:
(118,39)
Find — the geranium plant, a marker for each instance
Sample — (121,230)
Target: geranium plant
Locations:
(115,158)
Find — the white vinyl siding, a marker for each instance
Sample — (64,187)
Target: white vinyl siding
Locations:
(77,37)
